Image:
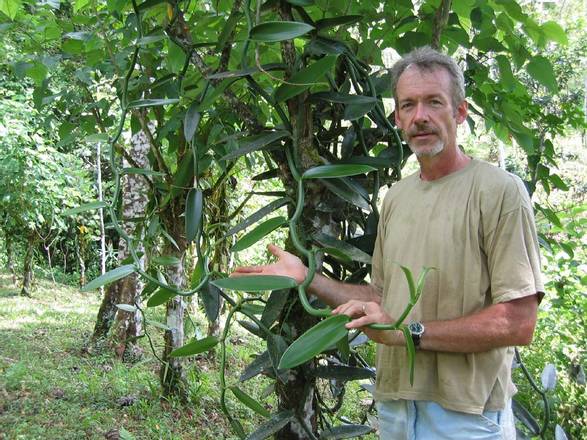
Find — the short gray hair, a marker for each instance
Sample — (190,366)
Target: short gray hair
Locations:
(428,59)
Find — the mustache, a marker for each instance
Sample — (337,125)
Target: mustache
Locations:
(422,129)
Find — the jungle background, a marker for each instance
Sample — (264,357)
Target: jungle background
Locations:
(148,148)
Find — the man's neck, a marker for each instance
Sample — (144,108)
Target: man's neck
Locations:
(446,162)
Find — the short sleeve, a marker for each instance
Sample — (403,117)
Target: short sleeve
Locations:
(513,256)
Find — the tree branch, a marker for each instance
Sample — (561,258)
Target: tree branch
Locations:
(440,21)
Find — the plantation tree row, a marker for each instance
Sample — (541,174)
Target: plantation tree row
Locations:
(292,88)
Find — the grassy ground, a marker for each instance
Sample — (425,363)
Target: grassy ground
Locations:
(50,388)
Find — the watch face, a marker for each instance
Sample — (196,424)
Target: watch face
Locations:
(416,328)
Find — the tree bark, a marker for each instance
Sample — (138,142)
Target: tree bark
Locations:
(124,327)
(100,212)
(28,266)
(10,257)
(440,21)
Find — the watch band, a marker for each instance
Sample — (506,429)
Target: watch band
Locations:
(416,331)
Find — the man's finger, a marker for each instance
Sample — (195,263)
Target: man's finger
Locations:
(276,250)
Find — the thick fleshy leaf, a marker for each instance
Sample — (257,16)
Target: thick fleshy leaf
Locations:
(353,112)
(336,170)
(276,346)
(210,296)
(341,20)
(152,102)
(191,121)
(86,207)
(195,347)
(246,72)
(255,283)
(350,251)
(274,306)
(523,415)
(303,79)
(341,98)
(109,277)
(559,433)
(273,425)
(193,213)
(161,296)
(166,260)
(343,372)
(141,171)
(320,337)
(338,187)
(127,307)
(411,349)
(249,402)
(252,328)
(258,233)
(548,377)
(258,215)
(272,31)
(344,349)
(541,70)
(260,364)
(345,431)
(254,143)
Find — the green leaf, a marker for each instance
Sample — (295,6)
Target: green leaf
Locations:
(422,280)
(301,2)
(127,307)
(260,364)
(246,72)
(86,207)
(275,303)
(97,137)
(257,215)
(151,102)
(195,347)
(10,7)
(109,277)
(341,98)
(166,260)
(249,402)
(548,377)
(258,233)
(158,324)
(558,182)
(525,417)
(341,20)
(411,351)
(554,32)
(351,252)
(272,31)
(255,283)
(210,296)
(320,337)
(273,425)
(336,170)
(141,171)
(345,431)
(541,70)
(254,143)
(343,372)
(303,79)
(149,39)
(191,121)
(161,296)
(342,190)
(193,214)
(276,346)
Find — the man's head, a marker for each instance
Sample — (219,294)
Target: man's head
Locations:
(429,95)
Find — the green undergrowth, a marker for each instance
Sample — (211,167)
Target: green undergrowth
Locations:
(52,388)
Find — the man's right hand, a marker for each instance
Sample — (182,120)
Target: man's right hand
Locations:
(287,265)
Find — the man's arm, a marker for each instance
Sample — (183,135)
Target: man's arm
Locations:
(500,325)
(332,292)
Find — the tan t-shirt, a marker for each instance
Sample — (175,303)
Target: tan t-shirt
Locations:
(476,226)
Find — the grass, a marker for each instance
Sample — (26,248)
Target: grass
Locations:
(51,388)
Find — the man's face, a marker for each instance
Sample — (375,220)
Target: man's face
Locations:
(425,111)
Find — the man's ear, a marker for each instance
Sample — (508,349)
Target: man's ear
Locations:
(462,112)
(396,117)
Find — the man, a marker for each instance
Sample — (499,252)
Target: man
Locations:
(474,223)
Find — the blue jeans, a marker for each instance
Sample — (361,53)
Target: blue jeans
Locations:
(426,420)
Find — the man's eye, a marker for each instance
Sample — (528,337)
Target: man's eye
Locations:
(406,105)
(436,102)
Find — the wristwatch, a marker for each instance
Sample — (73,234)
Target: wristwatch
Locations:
(417,329)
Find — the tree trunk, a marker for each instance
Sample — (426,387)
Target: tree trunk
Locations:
(100,212)
(81,256)
(10,258)
(28,266)
(172,375)
(124,327)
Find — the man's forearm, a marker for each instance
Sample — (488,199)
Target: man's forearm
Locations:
(500,325)
(334,292)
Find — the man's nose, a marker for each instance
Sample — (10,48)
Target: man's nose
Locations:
(421,113)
